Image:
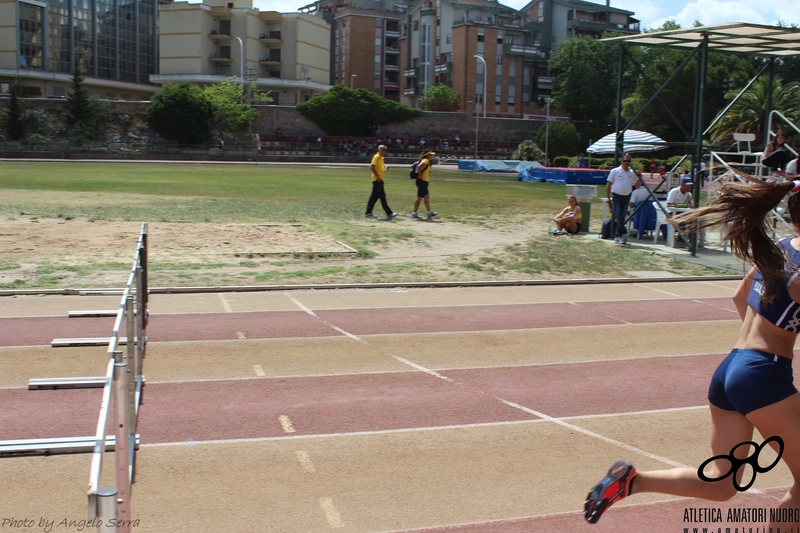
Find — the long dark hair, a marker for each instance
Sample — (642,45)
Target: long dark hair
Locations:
(743,207)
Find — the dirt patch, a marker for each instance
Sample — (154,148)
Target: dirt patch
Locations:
(58,237)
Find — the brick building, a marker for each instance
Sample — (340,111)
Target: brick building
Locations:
(401,48)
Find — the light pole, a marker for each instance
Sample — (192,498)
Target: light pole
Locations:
(483,98)
(241,56)
(352,79)
(546,130)
(477,114)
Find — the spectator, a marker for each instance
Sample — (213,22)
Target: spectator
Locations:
(619,186)
(423,178)
(569,219)
(681,196)
(378,169)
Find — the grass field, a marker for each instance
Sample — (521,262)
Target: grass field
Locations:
(491,226)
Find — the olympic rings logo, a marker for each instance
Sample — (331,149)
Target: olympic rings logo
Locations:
(737,464)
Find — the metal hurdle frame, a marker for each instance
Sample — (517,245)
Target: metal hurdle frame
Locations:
(110,507)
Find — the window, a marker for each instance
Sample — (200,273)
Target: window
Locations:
(416,25)
(438,21)
(499,37)
(480,37)
(274,74)
(378,58)
(449,38)
(499,60)
(437,41)
(225,27)
(377,41)
(377,75)
(378,23)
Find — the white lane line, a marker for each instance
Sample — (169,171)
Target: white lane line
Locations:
(286,424)
(299,304)
(225,303)
(543,416)
(732,311)
(659,290)
(305,461)
(259,371)
(418,429)
(331,514)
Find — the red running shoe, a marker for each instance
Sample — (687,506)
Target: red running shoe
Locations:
(609,490)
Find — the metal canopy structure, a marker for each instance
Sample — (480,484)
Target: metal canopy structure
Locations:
(770,42)
(735,38)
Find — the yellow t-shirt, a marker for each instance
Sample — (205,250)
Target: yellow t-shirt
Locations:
(377,162)
(424,169)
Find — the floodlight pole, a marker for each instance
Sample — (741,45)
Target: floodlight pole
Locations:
(352,79)
(241,57)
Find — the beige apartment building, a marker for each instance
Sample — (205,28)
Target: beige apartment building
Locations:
(285,53)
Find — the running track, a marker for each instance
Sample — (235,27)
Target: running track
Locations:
(453,410)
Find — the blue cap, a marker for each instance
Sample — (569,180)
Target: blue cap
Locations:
(687,181)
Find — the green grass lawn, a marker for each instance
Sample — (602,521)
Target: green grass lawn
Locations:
(329,200)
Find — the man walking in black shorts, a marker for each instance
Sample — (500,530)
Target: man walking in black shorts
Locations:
(423,177)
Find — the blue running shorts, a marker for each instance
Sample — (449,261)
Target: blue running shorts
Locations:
(747,380)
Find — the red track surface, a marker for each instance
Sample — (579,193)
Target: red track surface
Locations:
(241,409)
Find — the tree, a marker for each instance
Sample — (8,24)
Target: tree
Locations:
(227,101)
(561,139)
(181,113)
(343,111)
(440,98)
(13,119)
(80,110)
(585,83)
(528,151)
(748,113)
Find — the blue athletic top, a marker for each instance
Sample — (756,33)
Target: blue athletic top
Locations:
(784,312)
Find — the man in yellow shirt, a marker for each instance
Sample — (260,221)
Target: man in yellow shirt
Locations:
(378,193)
(423,177)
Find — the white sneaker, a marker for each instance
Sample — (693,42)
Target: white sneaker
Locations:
(432,214)
(617,240)
(624,239)
(415,215)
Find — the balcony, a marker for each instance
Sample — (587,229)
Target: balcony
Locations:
(220,37)
(443,68)
(393,33)
(221,12)
(272,16)
(411,91)
(271,39)
(389,84)
(214,58)
(525,50)
(270,62)
(411,72)
(392,50)
(392,68)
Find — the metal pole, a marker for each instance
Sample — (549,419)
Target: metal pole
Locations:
(352,79)
(106,510)
(485,76)
(547,132)
(121,452)
(241,56)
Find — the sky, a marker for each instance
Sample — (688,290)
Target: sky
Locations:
(653,13)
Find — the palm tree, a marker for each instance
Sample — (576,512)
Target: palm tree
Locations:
(748,113)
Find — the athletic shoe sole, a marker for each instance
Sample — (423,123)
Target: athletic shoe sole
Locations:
(609,490)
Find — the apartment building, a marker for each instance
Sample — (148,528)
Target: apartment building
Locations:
(285,53)
(400,48)
(114,41)
(364,43)
(440,39)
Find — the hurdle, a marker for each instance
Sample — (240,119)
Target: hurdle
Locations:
(108,508)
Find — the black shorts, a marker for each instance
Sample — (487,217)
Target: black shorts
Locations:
(577,228)
(422,188)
